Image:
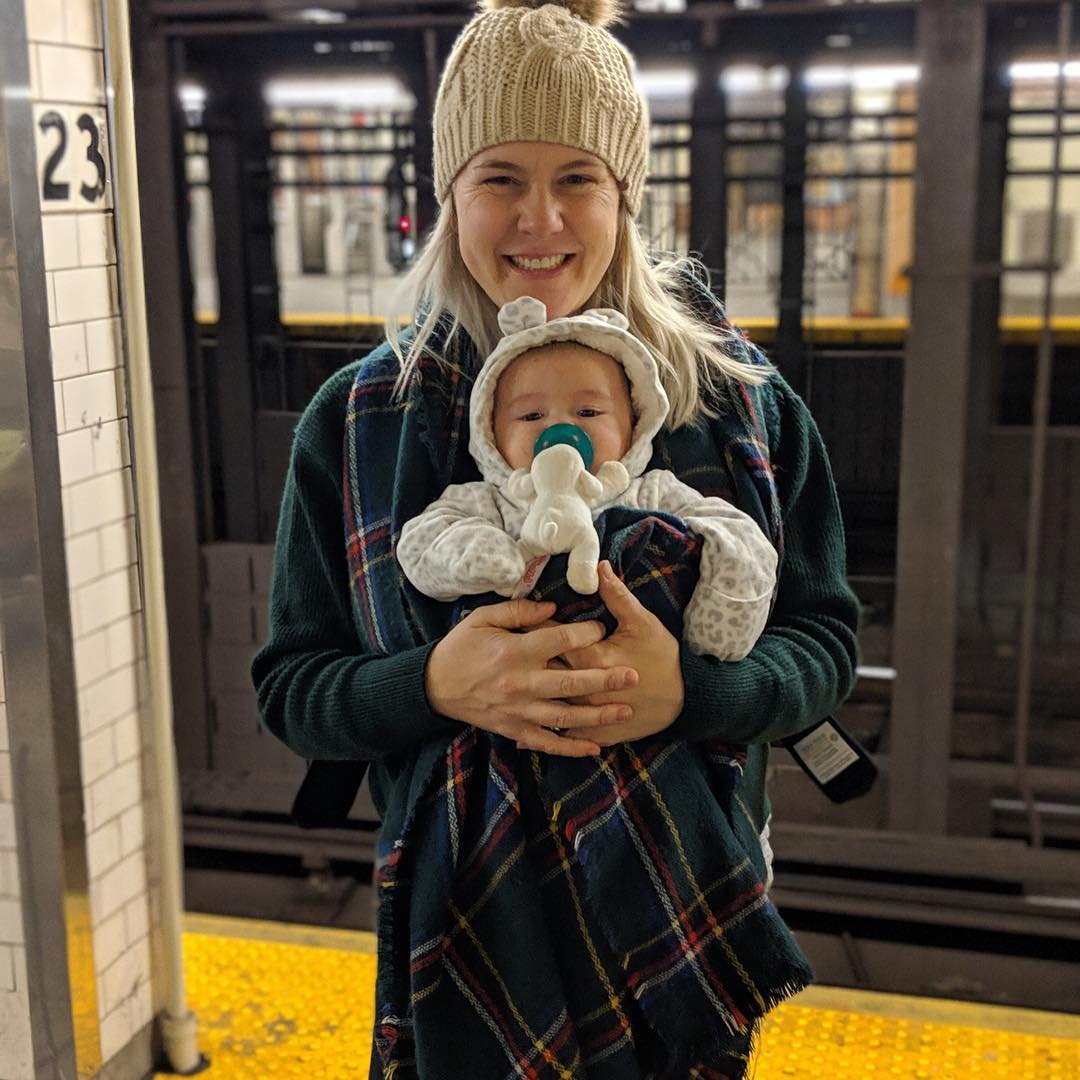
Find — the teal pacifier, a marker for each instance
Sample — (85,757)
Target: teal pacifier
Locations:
(566,435)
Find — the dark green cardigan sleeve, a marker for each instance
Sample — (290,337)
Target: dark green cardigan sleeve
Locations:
(317,692)
(803,665)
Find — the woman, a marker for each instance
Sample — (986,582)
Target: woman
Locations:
(571,881)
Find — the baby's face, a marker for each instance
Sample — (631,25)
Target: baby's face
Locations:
(564,383)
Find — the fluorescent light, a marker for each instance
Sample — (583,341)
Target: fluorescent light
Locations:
(753,79)
(365,45)
(323,47)
(343,92)
(660,83)
(865,78)
(873,77)
(320,16)
(192,95)
(1042,70)
(671,7)
(826,77)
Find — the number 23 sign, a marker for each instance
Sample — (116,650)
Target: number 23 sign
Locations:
(72,158)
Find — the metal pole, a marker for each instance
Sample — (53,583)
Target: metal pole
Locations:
(789,330)
(1040,416)
(170,323)
(708,165)
(178,1023)
(937,362)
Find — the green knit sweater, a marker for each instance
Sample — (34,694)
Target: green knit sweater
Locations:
(326,700)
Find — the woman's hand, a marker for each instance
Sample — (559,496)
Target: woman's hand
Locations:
(484,674)
(643,643)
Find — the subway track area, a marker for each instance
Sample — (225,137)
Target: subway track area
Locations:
(283,1001)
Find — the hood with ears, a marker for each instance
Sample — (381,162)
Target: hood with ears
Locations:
(525,324)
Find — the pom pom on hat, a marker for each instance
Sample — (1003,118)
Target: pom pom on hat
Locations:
(599,13)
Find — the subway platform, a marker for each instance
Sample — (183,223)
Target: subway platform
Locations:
(283,1001)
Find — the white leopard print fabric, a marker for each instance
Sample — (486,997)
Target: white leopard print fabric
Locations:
(467,542)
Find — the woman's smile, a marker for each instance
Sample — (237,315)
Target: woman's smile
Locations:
(539,266)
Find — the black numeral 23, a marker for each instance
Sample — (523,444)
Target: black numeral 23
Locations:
(50,189)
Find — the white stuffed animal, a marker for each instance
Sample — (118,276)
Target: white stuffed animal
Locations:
(560,519)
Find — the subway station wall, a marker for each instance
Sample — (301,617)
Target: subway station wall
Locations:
(68,92)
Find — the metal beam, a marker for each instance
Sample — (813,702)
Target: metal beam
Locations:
(243,22)
(958,909)
(170,323)
(708,187)
(788,351)
(272,838)
(427,61)
(951,43)
(248,319)
(917,853)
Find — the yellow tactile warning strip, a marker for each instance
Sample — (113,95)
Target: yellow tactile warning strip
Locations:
(278,1002)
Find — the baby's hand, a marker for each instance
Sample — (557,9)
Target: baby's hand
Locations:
(509,568)
(533,564)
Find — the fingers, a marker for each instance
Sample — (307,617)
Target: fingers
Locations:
(560,638)
(551,728)
(620,601)
(568,683)
(565,717)
(547,742)
(514,614)
(601,736)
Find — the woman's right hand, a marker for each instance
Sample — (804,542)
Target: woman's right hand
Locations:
(486,674)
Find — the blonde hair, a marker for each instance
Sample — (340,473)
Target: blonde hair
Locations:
(696,360)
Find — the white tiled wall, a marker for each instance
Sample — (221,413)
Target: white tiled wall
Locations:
(68,92)
(16,1055)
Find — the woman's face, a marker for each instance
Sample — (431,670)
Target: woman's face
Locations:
(537,219)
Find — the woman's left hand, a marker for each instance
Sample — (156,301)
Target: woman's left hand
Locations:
(642,642)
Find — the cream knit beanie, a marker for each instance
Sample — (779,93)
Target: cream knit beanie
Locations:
(545,73)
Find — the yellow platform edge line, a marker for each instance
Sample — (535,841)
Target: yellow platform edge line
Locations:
(319,937)
(836,998)
(822,329)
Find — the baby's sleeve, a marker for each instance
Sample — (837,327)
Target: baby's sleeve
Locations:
(731,601)
(459,547)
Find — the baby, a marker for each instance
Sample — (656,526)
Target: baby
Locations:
(587,371)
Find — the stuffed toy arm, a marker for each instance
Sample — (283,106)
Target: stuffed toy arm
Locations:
(589,487)
(458,547)
(613,479)
(520,485)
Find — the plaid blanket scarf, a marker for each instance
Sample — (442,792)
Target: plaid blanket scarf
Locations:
(543,917)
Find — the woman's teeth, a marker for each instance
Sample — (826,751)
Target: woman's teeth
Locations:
(549,262)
